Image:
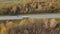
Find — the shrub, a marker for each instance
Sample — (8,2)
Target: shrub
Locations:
(53,23)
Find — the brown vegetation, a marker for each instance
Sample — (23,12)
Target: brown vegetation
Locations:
(30,26)
(31,7)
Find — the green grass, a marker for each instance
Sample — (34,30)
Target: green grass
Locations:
(38,14)
(11,2)
(18,21)
(58,19)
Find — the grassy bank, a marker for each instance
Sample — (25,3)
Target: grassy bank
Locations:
(26,26)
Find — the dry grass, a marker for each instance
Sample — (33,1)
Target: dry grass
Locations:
(30,7)
(31,26)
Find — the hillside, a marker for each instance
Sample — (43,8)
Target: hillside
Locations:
(29,7)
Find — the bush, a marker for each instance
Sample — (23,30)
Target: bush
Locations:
(31,26)
(53,23)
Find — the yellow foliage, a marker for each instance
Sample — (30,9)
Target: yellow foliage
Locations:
(23,22)
(3,29)
(53,23)
(28,21)
(9,24)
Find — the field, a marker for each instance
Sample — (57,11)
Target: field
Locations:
(21,7)
(31,26)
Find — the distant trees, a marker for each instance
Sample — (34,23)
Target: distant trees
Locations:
(32,7)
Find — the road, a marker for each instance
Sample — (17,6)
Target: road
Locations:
(30,16)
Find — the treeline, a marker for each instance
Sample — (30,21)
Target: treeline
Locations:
(32,7)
